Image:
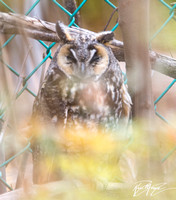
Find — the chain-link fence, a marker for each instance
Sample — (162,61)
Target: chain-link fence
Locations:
(25,80)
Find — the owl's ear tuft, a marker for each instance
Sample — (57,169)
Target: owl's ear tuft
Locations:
(105,37)
(62,32)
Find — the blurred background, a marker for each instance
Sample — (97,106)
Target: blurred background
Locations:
(21,51)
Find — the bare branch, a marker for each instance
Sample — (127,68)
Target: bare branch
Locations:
(42,30)
(163,64)
(23,21)
(11,23)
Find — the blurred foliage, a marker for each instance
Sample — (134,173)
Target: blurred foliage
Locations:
(92,153)
(97,165)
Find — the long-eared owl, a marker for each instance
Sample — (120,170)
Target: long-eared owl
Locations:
(84,83)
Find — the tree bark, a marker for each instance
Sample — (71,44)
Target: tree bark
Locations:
(134,24)
(133,21)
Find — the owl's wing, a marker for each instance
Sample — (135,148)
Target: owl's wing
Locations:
(46,99)
(126,103)
(40,110)
(41,116)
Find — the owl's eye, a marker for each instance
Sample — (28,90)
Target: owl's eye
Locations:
(71,57)
(96,57)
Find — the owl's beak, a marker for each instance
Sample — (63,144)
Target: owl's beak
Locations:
(82,71)
(82,68)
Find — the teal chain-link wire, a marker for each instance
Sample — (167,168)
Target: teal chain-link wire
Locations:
(171,11)
(48,55)
(24,88)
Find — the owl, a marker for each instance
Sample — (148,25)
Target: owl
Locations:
(83,85)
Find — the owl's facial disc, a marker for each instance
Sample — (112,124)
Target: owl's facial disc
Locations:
(99,60)
(83,64)
(63,60)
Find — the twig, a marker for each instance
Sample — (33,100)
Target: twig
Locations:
(20,81)
(43,71)
(110,18)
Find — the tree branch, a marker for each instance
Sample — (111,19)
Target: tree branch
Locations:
(163,64)
(11,23)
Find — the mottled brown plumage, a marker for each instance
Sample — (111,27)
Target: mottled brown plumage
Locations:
(84,84)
